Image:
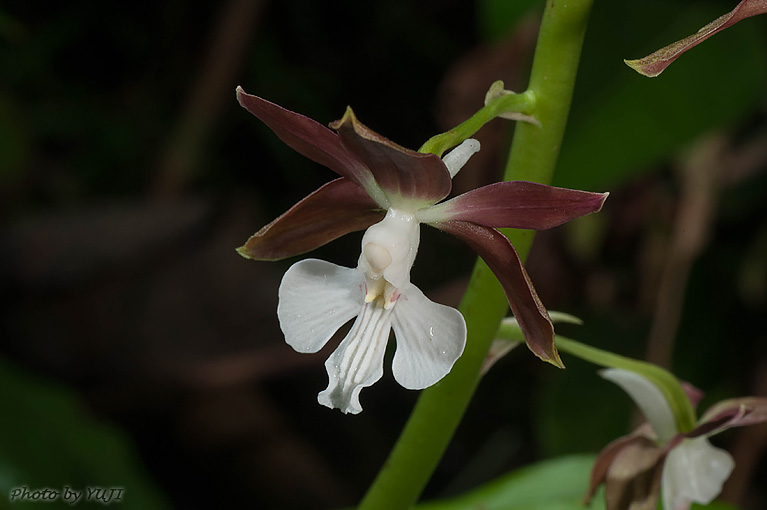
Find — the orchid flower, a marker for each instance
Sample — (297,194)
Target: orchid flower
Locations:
(659,457)
(389,191)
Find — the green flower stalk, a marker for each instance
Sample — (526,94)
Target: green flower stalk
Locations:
(533,157)
(388,191)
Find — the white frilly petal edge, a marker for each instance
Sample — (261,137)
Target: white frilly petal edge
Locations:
(648,398)
(316,298)
(694,471)
(430,338)
(358,361)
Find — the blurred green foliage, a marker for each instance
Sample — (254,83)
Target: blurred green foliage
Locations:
(557,484)
(47,440)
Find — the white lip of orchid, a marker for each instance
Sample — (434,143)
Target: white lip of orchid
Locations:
(355,367)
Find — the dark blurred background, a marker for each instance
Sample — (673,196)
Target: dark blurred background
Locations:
(140,351)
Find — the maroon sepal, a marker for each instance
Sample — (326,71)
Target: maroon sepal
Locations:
(313,140)
(335,209)
(734,412)
(655,63)
(518,204)
(404,175)
(499,254)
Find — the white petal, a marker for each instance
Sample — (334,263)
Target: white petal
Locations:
(455,159)
(317,298)
(430,338)
(694,471)
(648,398)
(358,362)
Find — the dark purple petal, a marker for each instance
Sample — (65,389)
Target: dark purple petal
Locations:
(517,204)
(499,254)
(403,174)
(655,63)
(337,208)
(736,412)
(312,140)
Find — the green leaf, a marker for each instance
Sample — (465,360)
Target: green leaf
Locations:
(714,505)
(48,440)
(557,484)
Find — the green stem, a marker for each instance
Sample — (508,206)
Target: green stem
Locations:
(663,379)
(519,103)
(441,407)
(667,383)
